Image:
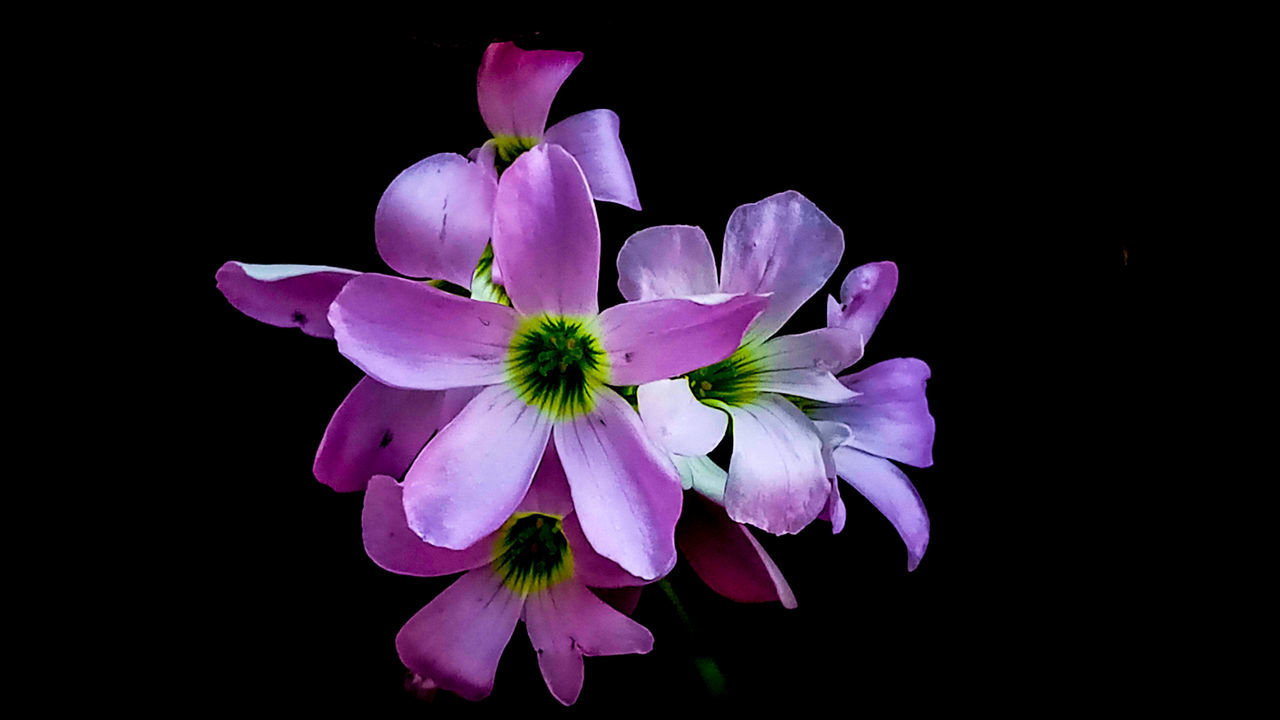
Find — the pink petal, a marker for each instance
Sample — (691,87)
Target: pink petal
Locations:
(677,421)
(777,480)
(782,245)
(549,492)
(865,292)
(667,261)
(379,430)
(284,295)
(890,416)
(566,622)
(546,234)
(626,492)
(515,87)
(589,566)
(624,600)
(801,365)
(727,557)
(657,339)
(410,335)
(473,475)
(592,139)
(435,217)
(393,546)
(459,637)
(881,482)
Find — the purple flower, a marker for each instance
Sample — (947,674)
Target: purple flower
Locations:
(545,366)
(537,567)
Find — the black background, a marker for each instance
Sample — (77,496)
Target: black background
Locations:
(1000,169)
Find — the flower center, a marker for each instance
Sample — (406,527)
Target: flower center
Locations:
(509,147)
(730,381)
(556,364)
(532,553)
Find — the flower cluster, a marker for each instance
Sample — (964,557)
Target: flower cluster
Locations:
(520,435)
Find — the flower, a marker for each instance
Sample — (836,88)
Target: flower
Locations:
(537,567)
(786,246)
(545,366)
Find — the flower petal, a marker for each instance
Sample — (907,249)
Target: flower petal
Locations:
(667,261)
(410,335)
(801,364)
(782,245)
(459,637)
(626,491)
(657,339)
(701,474)
(284,295)
(624,599)
(833,435)
(379,430)
(393,546)
(866,292)
(473,475)
(589,566)
(890,416)
(777,480)
(546,234)
(881,482)
(515,87)
(592,139)
(549,492)
(727,557)
(677,421)
(435,217)
(566,622)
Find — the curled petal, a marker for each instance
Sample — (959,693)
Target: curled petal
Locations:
(284,295)
(801,365)
(459,637)
(833,435)
(727,557)
(865,294)
(782,245)
(592,139)
(667,261)
(699,473)
(677,421)
(410,335)
(890,416)
(881,482)
(393,546)
(435,217)
(515,87)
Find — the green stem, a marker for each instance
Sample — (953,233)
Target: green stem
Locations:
(706,666)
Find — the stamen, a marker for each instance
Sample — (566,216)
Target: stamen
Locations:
(532,553)
(556,365)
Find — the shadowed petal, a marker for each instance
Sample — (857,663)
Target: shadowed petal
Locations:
(515,87)
(657,339)
(626,491)
(667,261)
(677,421)
(589,566)
(393,546)
(777,480)
(566,622)
(284,295)
(624,600)
(881,482)
(782,245)
(801,365)
(592,139)
(410,335)
(459,637)
(378,430)
(549,492)
(890,417)
(866,292)
(727,557)
(701,474)
(473,475)
(434,218)
(546,234)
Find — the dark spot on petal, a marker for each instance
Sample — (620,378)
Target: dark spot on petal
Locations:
(483,322)
(626,357)
(386,439)
(299,317)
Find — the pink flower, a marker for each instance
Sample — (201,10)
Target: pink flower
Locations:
(537,567)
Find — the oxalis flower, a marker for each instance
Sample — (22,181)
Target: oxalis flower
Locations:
(545,365)
(537,567)
(784,246)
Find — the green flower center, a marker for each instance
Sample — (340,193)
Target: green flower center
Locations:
(510,147)
(556,365)
(532,553)
(731,381)
(482,285)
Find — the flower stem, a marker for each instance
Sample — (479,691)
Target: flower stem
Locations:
(706,666)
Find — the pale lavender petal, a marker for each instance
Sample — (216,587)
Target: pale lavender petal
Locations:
(626,491)
(459,637)
(801,365)
(485,156)
(546,234)
(677,421)
(566,622)
(393,546)
(435,217)
(782,245)
(777,480)
(592,139)
(657,339)
(865,294)
(410,335)
(284,295)
(890,417)
(549,492)
(378,430)
(700,474)
(589,566)
(515,87)
(473,475)
(881,482)
(835,512)
(667,261)
(833,435)
(727,557)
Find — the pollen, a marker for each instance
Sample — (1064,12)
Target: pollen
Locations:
(509,147)
(556,365)
(532,553)
(731,381)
